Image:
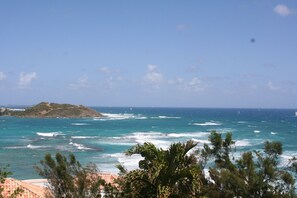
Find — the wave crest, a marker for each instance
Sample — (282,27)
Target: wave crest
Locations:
(49,134)
(120,116)
(211,123)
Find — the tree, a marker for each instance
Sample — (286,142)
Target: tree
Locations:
(68,178)
(254,174)
(178,172)
(163,173)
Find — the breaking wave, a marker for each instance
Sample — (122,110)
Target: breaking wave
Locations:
(30,146)
(195,134)
(83,137)
(242,143)
(207,124)
(80,146)
(80,124)
(129,162)
(273,133)
(166,117)
(49,134)
(120,116)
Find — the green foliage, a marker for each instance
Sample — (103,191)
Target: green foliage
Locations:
(163,173)
(254,174)
(220,150)
(53,110)
(293,164)
(178,172)
(68,178)
(3,175)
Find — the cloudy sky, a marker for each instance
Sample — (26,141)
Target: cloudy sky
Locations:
(233,53)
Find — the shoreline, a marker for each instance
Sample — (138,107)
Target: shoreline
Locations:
(36,182)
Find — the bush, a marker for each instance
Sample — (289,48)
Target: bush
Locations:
(179,172)
(68,178)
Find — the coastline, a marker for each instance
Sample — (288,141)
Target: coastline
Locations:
(36,182)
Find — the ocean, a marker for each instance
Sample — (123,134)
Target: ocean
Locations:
(103,141)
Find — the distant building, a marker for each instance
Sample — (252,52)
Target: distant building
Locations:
(36,188)
(2,109)
(14,109)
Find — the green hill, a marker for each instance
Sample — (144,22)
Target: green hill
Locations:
(54,110)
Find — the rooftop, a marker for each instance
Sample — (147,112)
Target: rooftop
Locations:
(36,188)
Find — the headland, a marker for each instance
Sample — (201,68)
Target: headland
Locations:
(52,110)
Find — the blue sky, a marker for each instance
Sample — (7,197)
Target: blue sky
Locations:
(233,53)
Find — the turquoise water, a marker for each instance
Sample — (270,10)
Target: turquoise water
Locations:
(24,141)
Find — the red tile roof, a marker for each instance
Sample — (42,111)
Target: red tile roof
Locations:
(109,178)
(29,190)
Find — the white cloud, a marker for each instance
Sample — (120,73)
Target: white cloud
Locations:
(26,79)
(81,82)
(272,86)
(195,85)
(110,82)
(151,67)
(283,10)
(112,76)
(108,70)
(192,69)
(2,76)
(152,76)
(105,70)
(180,80)
(192,85)
(182,27)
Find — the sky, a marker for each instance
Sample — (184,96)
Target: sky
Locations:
(234,53)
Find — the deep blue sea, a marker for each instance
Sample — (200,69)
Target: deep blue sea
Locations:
(103,141)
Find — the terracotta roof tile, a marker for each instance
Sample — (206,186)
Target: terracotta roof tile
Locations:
(109,178)
(37,188)
(29,190)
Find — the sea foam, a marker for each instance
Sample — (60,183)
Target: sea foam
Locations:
(79,124)
(49,134)
(194,134)
(207,124)
(80,146)
(120,116)
(129,162)
(242,143)
(15,147)
(84,137)
(36,147)
(166,117)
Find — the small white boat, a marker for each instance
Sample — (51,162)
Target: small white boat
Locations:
(296,113)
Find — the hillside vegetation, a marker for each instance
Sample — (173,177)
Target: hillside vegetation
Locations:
(54,110)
